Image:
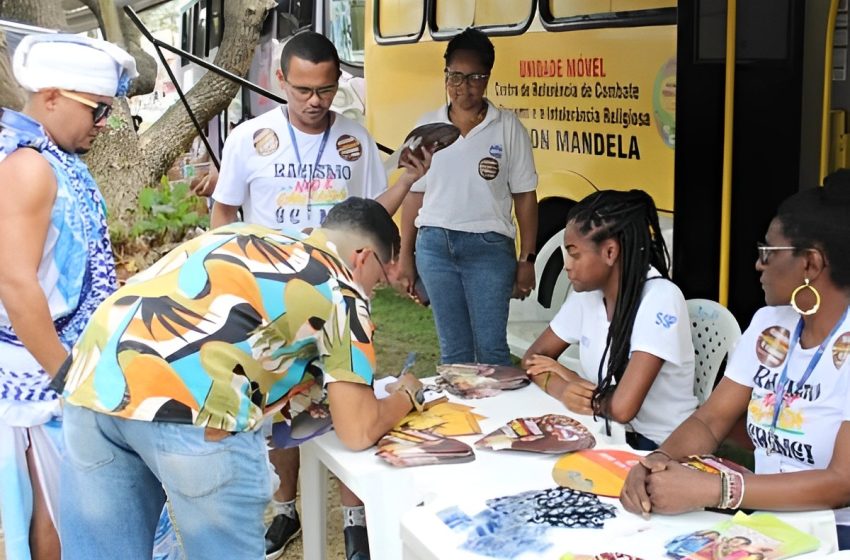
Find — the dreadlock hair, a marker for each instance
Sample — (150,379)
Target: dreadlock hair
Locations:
(632,220)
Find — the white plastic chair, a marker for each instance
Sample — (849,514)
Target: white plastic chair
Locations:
(715,332)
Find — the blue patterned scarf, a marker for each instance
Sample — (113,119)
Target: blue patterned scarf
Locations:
(82,252)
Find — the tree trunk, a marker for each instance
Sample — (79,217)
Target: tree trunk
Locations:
(43,13)
(11,95)
(121,161)
(125,162)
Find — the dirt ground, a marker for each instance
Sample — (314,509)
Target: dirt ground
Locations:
(335,547)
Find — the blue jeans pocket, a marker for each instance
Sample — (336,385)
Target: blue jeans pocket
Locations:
(85,446)
(498,241)
(192,466)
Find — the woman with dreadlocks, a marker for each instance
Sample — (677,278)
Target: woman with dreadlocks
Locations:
(630,320)
(790,375)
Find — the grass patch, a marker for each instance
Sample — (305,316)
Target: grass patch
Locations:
(403,326)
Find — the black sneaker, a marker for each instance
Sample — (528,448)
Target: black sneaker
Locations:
(281,532)
(356,543)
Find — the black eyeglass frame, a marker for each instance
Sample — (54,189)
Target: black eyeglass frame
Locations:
(475,78)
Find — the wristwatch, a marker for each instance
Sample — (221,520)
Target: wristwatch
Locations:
(531,257)
(417,398)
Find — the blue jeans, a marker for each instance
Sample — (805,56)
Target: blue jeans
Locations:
(469,277)
(116,475)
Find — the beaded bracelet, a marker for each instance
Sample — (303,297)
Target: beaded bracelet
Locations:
(724,490)
(736,489)
(731,489)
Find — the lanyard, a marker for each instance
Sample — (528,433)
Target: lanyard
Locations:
(779,391)
(322,144)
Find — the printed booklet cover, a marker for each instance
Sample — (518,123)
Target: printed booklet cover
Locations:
(476,381)
(598,471)
(760,536)
(552,433)
(412,448)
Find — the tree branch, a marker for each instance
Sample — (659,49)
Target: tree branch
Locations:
(128,37)
(173,133)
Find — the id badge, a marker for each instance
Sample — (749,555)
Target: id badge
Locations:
(767,463)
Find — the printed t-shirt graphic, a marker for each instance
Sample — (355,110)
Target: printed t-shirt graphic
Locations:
(811,412)
(279,184)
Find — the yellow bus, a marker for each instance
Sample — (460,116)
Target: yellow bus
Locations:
(719,127)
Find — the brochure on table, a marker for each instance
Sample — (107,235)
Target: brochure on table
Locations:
(626,533)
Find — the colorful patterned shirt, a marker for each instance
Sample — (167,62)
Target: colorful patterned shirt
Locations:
(225,330)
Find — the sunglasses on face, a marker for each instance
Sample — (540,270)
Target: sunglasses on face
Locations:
(100,110)
(455,79)
(765,250)
(304,93)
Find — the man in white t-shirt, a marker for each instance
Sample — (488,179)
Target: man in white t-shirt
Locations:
(289,166)
(286,169)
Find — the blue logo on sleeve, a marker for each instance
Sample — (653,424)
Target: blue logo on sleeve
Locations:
(665,320)
(496,151)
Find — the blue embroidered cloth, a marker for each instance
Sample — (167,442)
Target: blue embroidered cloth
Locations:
(77,270)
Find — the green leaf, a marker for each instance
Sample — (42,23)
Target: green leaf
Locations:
(147,198)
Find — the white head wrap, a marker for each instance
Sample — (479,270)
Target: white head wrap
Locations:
(73,62)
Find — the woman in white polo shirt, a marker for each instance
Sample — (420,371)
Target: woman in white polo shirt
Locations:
(630,321)
(465,250)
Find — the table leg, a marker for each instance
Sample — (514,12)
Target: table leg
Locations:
(314,501)
(385,504)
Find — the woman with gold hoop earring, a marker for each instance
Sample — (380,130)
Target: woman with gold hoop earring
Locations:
(790,373)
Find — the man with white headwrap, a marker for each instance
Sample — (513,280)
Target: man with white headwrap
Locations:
(57,263)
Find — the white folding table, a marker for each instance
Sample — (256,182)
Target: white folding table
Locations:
(388,492)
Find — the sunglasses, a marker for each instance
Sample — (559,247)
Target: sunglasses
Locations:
(765,251)
(455,79)
(100,110)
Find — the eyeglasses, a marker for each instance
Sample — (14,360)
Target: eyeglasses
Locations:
(765,250)
(455,79)
(305,93)
(380,264)
(100,110)
(383,270)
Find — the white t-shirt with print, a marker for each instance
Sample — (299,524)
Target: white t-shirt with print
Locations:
(470,184)
(260,170)
(661,328)
(812,414)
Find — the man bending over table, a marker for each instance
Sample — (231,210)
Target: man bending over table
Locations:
(169,385)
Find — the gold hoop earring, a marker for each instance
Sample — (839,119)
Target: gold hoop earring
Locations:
(814,308)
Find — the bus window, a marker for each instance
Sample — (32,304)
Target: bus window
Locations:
(186,36)
(593,13)
(292,16)
(199,45)
(346,19)
(216,23)
(494,16)
(400,19)
(633,5)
